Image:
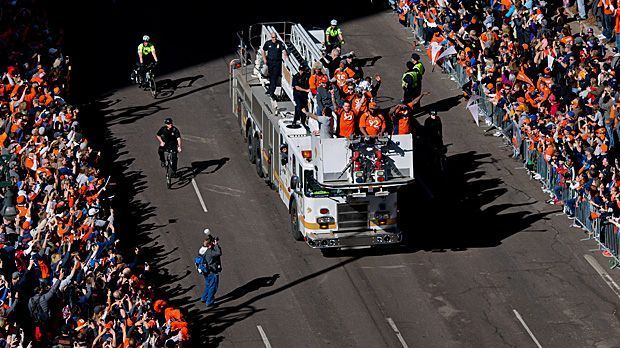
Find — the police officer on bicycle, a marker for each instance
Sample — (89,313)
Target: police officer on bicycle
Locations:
(169,139)
(146,55)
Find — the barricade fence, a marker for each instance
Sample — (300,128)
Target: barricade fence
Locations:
(598,225)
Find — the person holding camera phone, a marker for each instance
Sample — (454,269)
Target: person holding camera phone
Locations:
(208,264)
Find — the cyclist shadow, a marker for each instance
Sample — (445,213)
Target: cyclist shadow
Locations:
(167,87)
(186,174)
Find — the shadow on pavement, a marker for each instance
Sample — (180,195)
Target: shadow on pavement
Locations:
(220,318)
(131,114)
(463,214)
(251,286)
(167,87)
(186,174)
(440,105)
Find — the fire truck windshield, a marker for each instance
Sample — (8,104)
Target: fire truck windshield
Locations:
(313,188)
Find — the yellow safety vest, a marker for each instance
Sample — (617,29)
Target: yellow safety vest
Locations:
(146,50)
(413,75)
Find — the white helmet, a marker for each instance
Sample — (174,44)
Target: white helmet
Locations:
(146,38)
(334,22)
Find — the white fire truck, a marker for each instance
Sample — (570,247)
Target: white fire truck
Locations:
(339,192)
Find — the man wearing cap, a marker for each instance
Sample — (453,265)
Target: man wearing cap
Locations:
(333,36)
(209,264)
(354,65)
(169,139)
(301,88)
(273,51)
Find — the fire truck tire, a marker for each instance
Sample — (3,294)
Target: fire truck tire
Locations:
(295,223)
(251,149)
(259,160)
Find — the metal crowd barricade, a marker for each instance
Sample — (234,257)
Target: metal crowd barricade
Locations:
(605,232)
(611,241)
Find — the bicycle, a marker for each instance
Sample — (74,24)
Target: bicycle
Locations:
(169,170)
(145,78)
(149,79)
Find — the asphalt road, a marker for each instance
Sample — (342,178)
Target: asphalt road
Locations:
(485,254)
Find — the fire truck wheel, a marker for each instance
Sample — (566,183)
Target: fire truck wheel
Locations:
(295,223)
(251,150)
(259,160)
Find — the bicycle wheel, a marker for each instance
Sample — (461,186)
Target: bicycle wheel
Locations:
(168,174)
(152,85)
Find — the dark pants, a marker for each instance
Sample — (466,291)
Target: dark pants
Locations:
(274,67)
(300,103)
(329,46)
(148,62)
(409,95)
(608,26)
(174,157)
(212,281)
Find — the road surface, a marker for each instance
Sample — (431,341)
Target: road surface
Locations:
(488,265)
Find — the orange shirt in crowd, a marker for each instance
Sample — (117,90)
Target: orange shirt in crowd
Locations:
(342,75)
(402,119)
(346,122)
(316,80)
(373,124)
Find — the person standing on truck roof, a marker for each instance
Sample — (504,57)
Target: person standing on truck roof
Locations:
(325,122)
(301,88)
(355,66)
(343,75)
(333,36)
(372,123)
(318,86)
(273,51)
(331,62)
(402,114)
(346,118)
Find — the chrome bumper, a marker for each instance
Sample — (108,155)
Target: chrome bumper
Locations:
(354,239)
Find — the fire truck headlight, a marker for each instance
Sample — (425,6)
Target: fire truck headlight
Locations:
(325,221)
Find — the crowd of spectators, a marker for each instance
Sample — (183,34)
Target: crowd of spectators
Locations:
(63,280)
(553,79)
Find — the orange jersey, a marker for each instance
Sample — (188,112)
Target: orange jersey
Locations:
(316,80)
(343,75)
(346,123)
(373,124)
(359,105)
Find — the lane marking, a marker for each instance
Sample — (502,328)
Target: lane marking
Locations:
(400,337)
(527,328)
(195,139)
(263,336)
(202,202)
(384,267)
(601,271)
